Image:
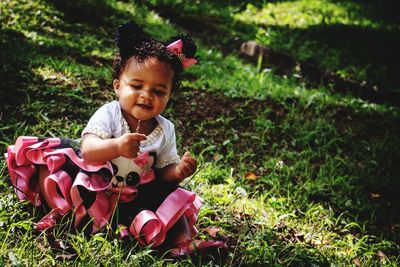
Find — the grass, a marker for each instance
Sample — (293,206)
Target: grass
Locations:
(290,175)
(357,40)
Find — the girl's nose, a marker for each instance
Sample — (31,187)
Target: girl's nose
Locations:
(145,93)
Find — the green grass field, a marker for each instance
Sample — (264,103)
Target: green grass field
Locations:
(292,173)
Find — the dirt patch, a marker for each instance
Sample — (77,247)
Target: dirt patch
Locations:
(206,119)
(218,120)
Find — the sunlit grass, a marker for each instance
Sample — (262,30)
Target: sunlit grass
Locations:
(306,13)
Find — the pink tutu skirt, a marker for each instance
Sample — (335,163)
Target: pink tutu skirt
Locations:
(84,191)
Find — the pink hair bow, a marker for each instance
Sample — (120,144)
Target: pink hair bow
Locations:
(176,49)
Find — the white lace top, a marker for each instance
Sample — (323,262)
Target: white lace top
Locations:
(108,122)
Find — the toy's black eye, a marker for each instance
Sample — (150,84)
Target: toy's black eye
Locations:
(119,178)
(132,179)
(115,168)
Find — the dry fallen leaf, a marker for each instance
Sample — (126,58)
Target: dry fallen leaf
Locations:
(382,256)
(279,165)
(217,157)
(250,176)
(66,256)
(357,262)
(375,195)
(318,242)
(213,231)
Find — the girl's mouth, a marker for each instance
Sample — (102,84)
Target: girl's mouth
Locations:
(145,106)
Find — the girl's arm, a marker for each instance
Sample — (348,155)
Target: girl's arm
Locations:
(96,150)
(178,172)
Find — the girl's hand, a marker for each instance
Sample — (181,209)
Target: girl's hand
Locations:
(128,144)
(186,167)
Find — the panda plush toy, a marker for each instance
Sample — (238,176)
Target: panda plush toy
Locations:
(129,173)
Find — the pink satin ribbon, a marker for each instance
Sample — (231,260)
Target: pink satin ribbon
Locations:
(48,221)
(63,182)
(29,151)
(176,48)
(63,195)
(103,206)
(124,193)
(151,228)
(123,232)
(20,177)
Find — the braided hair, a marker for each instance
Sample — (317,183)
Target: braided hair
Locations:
(134,44)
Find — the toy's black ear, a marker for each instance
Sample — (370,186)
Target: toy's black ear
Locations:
(189,46)
(128,37)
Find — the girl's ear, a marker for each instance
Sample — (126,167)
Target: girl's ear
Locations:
(116,85)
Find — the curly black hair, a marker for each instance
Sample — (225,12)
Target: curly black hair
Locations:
(134,44)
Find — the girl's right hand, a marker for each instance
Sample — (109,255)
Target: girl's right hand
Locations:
(128,144)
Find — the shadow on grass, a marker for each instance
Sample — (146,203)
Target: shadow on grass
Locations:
(370,193)
(24,92)
(384,11)
(371,51)
(96,15)
(16,52)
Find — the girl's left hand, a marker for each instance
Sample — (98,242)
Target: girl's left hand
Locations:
(186,167)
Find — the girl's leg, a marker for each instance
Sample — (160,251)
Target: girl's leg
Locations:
(179,233)
(179,236)
(181,242)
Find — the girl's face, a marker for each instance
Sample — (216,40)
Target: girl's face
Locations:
(143,89)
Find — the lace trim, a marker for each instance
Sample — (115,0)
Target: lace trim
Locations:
(151,138)
(99,132)
(165,162)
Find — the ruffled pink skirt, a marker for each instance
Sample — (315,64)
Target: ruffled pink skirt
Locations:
(72,187)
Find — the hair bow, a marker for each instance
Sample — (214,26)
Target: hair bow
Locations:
(176,49)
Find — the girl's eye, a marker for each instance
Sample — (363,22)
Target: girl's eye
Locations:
(137,87)
(160,93)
